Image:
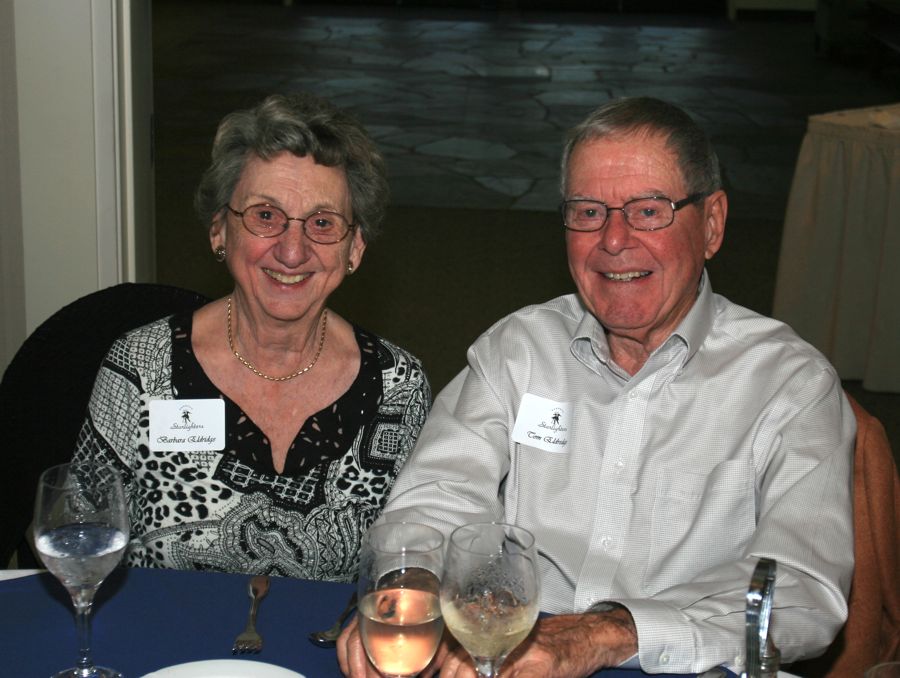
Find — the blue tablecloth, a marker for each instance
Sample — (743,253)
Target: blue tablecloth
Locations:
(145,620)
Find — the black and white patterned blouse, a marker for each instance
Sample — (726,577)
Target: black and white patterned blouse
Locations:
(230,510)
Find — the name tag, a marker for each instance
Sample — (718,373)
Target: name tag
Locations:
(187,425)
(543,423)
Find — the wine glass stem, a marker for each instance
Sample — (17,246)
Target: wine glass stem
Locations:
(83,610)
(487,668)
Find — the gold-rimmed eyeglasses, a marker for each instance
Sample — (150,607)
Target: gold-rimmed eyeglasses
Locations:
(642,214)
(267,221)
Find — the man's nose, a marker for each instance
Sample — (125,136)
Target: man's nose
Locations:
(616,233)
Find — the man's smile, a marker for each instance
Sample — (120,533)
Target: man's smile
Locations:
(626,277)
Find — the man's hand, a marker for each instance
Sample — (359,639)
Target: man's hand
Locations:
(563,646)
(351,654)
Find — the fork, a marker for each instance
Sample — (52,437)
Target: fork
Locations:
(328,637)
(249,641)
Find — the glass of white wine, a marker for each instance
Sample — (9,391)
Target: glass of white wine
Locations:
(490,592)
(80,532)
(399,582)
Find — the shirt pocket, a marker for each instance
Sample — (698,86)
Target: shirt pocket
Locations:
(698,521)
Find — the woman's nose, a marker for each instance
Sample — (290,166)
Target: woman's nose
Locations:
(293,245)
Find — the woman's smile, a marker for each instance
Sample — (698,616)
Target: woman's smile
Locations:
(285,278)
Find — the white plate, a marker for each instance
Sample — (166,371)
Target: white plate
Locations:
(224,668)
(16,574)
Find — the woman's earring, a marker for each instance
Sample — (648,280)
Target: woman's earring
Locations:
(219,253)
(350,268)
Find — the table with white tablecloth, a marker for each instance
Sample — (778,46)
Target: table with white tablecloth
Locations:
(838,279)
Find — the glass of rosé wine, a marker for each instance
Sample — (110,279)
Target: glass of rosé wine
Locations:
(399,610)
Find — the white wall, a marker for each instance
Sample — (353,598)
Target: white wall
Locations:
(12,296)
(79,113)
(135,77)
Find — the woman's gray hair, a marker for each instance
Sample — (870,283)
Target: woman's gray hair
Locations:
(693,149)
(302,124)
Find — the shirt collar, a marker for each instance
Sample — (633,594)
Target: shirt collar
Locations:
(589,342)
(697,324)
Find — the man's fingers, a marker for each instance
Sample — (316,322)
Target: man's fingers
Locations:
(342,646)
(434,666)
(458,664)
(351,654)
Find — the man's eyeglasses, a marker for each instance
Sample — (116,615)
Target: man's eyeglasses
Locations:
(267,221)
(641,214)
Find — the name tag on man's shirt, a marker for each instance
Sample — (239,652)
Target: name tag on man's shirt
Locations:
(543,423)
(187,425)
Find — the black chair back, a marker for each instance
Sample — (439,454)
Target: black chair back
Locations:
(45,389)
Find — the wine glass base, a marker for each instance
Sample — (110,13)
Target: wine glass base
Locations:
(97,672)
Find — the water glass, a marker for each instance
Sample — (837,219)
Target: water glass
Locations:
(80,531)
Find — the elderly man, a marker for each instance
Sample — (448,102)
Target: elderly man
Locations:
(656,438)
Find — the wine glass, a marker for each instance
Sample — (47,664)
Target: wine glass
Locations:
(81,531)
(490,592)
(399,581)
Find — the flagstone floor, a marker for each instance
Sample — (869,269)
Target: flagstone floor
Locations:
(470,106)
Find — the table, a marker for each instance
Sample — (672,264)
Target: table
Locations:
(147,619)
(838,281)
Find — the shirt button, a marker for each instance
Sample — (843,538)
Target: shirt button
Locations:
(632,395)
(620,465)
(606,542)
(663,658)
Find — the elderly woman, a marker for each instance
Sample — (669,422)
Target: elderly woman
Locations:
(262,433)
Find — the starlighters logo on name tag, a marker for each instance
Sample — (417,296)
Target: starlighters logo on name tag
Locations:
(543,423)
(187,425)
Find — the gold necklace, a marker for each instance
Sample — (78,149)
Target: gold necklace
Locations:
(263,374)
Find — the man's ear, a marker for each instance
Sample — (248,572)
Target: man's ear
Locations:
(716,212)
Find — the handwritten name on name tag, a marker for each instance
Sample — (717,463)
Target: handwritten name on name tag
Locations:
(543,423)
(187,425)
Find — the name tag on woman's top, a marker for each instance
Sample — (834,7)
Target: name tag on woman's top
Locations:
(187,425)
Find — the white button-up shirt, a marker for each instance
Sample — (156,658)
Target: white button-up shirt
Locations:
(659,490)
